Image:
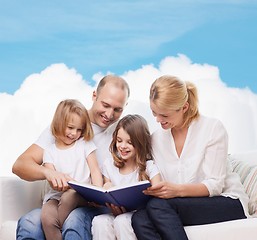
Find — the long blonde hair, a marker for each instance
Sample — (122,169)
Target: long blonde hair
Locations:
(137,128)
(62,115)
(170,93)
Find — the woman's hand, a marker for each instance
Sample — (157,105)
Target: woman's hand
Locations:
(115,209)
(164,190)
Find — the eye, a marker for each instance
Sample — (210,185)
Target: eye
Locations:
(118,109)
(105,105)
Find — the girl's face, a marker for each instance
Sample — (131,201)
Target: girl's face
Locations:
(168,118)
(124,145)
(73,130)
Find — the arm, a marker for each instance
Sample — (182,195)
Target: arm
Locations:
(171,190)
(28,167)
(107,183)
(156,179)
(96,176)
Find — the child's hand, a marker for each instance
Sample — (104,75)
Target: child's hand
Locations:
(115,209)
(108,185)
(92,204)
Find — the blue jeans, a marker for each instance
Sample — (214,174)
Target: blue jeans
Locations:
(76,226)
(165,218)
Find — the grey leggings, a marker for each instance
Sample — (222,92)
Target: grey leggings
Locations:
(55,212)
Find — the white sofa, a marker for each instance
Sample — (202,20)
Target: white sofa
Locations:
(17,197)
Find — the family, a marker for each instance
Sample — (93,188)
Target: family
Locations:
(185,161)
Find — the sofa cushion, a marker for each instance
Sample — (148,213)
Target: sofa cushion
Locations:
(248,175)
(8,230)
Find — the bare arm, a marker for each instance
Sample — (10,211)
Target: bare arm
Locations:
(156,179)
(171,190)
(107,183)
(96,175)
(28,167)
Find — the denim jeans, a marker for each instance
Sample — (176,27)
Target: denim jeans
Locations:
(165,218)
(76,226)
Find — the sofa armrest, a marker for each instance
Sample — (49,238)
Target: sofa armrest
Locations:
(18,197)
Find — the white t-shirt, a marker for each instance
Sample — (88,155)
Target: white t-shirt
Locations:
(202,160)
(102,139)
(71,161)
(113,173)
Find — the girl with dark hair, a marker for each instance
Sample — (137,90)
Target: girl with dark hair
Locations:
(132,153)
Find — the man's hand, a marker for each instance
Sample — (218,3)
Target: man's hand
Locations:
(58,181)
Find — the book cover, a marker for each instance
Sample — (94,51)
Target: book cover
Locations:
(129,196)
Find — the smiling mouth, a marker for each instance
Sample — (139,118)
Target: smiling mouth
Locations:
(124,152)
(70,138)
(106,120)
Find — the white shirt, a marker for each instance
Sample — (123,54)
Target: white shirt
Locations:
(71,161)
(102,139)
(202,160)
(113,174)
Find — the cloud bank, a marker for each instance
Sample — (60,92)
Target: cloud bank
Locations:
(25,114)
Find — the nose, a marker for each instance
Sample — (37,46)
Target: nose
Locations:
(109,113)
(123,145)
(74,131)
(158,119)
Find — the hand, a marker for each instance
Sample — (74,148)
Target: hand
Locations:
(108,185)
(58,181)
(92,204)
(115,209)
(163,190)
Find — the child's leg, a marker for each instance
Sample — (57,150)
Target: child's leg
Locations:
(122,227)
(68,202)
(50,221)
(102,227)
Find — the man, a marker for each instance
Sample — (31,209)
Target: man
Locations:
(109,101)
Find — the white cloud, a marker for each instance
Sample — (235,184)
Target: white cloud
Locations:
(26,113)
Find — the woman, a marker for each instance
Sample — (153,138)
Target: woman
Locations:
(190,151)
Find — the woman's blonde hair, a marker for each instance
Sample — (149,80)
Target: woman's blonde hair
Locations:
(62,116)
(137,128)
(170,93)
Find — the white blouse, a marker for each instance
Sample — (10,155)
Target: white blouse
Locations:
(202,160)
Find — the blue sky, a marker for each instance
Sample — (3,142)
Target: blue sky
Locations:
(118,36)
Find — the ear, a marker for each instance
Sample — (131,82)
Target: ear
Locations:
(94,96)
(185,107)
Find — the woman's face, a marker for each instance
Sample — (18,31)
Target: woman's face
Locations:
(168,118)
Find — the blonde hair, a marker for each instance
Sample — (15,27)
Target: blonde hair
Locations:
(62,116)
(137,128)
(170,93)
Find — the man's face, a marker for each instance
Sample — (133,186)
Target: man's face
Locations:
(108,105)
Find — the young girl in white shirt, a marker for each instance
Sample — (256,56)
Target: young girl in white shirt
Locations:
(72,154)
(190,151)
(131,151)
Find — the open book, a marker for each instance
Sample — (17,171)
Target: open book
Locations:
(129,196)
